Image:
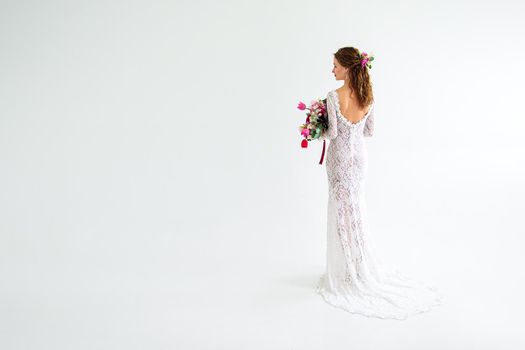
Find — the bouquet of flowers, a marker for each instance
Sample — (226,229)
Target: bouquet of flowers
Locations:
(316,122)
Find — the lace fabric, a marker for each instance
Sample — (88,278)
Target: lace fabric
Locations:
(355,280)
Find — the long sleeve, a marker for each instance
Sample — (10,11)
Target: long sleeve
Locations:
(368,130)
(331,132)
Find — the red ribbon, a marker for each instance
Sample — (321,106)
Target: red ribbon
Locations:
(322,155)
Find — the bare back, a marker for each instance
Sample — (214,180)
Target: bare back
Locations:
(349,107)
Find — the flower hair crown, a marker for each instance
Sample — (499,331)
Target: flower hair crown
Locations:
(366,59)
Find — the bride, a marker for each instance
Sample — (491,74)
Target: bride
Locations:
(354,279)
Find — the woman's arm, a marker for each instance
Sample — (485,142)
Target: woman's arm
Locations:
(331,132)
(369,123)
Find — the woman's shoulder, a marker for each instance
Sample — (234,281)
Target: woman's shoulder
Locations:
(331,93)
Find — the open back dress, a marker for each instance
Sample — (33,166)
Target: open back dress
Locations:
(355,280)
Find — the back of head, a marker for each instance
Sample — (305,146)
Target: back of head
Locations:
(358,65)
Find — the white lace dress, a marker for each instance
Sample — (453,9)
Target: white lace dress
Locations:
(354,279)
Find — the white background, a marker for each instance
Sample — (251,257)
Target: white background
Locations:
(154,194)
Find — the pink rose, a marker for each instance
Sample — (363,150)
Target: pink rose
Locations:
(301,106)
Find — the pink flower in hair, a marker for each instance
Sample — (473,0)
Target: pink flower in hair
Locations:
(366,59)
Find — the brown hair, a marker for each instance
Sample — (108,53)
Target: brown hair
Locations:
(359,78)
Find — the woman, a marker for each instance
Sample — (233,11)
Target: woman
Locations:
(354,279)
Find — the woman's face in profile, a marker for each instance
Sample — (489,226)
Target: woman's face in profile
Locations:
(339,71)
